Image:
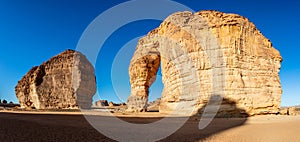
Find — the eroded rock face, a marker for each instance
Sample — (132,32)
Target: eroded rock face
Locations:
(65,81)
(207,54)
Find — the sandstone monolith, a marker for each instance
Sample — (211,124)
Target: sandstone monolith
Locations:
(206,56)
(66,81)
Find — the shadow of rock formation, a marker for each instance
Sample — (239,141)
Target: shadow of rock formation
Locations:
(228,116)
(60,128)
(227,108)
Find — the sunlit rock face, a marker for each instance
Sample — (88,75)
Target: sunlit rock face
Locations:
(206,54)
(66,81)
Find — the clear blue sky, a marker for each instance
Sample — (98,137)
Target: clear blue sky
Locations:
(32,31)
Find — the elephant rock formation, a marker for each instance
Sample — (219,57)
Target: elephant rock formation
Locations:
(204,57)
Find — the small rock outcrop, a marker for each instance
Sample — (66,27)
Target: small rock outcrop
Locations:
(288,111)
(154,105)
(292,111)
(230,57)
(101,103)
(284,111)
(66,81)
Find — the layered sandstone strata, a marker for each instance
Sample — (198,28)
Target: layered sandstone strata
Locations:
(65,81)
(204,57)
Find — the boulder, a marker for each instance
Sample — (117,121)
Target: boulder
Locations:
(292,111)
(284,111)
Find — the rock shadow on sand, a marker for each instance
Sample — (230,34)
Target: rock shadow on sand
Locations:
(228,116)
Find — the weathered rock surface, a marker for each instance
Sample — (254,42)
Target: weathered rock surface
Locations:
(65,81)
(207,54)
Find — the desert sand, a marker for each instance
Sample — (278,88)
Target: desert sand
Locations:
(262,129)
(72,126)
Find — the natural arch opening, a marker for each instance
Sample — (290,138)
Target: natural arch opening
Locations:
(155,92)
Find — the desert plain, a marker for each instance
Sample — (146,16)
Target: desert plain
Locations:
(72,126)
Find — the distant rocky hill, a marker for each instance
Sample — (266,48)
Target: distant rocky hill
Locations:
(64,81)
(100,103)
(105,103)
(9,105)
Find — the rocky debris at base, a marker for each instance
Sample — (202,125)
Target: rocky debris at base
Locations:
(289,111)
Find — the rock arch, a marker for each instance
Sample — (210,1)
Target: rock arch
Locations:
(244,61)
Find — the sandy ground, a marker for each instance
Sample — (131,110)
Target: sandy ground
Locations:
(262,129)
(72,126)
